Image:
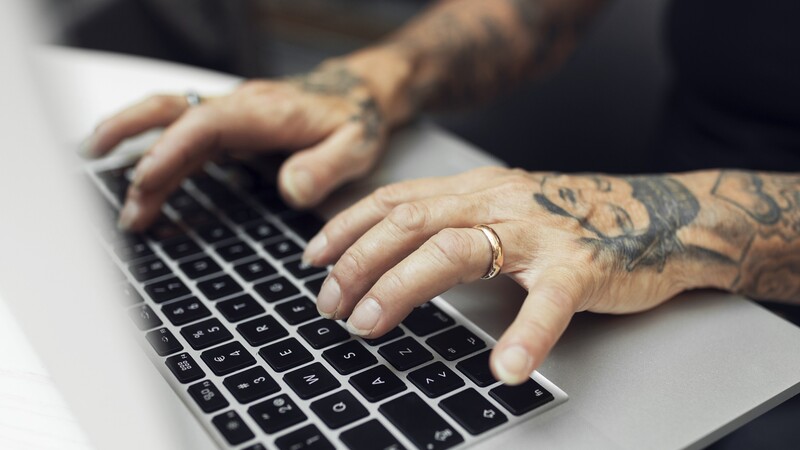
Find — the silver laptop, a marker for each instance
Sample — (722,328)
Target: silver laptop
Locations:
(220,305)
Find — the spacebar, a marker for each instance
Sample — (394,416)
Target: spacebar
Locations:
(421,424)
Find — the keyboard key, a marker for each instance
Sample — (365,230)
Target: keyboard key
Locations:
(315,285)
(311,380)
(405,353)
(240,308)
(435,379)
(285,354)
(144,317)
(377,383)
(395,333)
(307,438)
(207,396)
(198,219)
(251,384)
(218,287)
(349,357)
(261,230)
(455,343)
(420,423)
(304,224)
(476,368)
(149,269)
(522,398)
(132,249)
(271,200)
(300,270)
(242,214)
(166,290)
(205,334)
(130,294)
(426,319)
(368,436)
(200,267)
(254,270)
(180,247)
(339,409)
(163,342)
(473,411)
(227,358)
(276,413)
(255,447)
(297,311)
(232,427)
(215,232)
(184,368)
(185,311)
(283,249)
(262,330)
(235,251)
(164,229)
(275,290)
(182,202)
(323,333)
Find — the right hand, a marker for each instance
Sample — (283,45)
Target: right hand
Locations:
(329,119)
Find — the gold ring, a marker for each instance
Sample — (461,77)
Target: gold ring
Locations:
(497,251)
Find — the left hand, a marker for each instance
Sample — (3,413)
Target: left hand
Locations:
(597,243)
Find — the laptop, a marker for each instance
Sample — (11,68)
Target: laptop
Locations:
(230,353)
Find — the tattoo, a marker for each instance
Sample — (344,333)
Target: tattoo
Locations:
(369,115)
(337,80)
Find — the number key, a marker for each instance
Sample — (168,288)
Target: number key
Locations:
(205,334)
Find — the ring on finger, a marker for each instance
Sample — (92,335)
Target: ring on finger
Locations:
(497,251)
(193,98)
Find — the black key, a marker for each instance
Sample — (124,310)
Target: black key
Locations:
(130,294)
(198,219)
(262,330)
(242,214)
(349,357)
(182,202)
(185,311)
(233,428)
(476,368)
(276,413)
(315,285)
(218,287)
(149,269)
(455,343)
(339,409)
(164,229)
(132,249)
(285,354)
(205,334)
(235,251)
(163,342)
(323,332)
(166,290)
(300,270)
(395,333)
(240,308)
(311,380)
(297,311)
(283,249)
(420,423)
(405,353)
(214,232)
(271,200)
(522,398)
(200,267)
(426,319)
(377,383)
(144,317)
(304,224)
(435,379)
(251,384)
(307,438)
(180,247)
(368,436)
(473,411)
(254,270)
(227,358)
(255,447)
(278,289)
(207,396)
(261,230)
(184,368)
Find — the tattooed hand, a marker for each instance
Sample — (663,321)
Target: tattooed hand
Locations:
(329,118)
(586,242)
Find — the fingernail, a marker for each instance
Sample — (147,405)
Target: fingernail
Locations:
(514,365)
(314,248)
(88,148)
(299,185)
(329,297)
(141,170)
(129,213)
(364,318)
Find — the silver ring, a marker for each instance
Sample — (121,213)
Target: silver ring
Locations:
(193,98)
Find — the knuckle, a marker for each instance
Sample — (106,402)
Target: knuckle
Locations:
(387,197)
(160,102)
(450,246)
(409,217)
(350,267)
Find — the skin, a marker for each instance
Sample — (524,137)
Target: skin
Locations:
(575,242)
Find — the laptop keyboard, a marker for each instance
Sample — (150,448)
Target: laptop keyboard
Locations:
(220,293)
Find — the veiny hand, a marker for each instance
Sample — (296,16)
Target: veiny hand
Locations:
(596,243)
(329,118)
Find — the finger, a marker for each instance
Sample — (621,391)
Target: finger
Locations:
(154,112)
(452,256)
(545,314)
(407,227)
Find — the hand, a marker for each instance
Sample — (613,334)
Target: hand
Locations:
(596,243)
(329,118)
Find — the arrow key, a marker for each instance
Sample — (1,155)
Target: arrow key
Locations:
(435,379)
(473,412)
